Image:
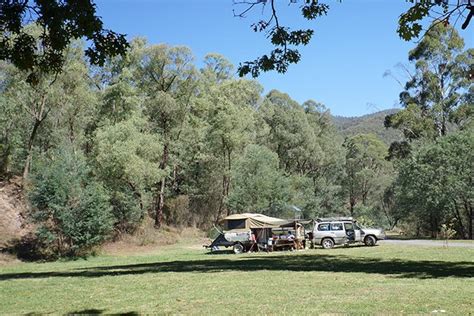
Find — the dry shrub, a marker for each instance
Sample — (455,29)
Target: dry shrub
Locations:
(176,211)
(147,238)
(204,210)
(146,234)
(6,258)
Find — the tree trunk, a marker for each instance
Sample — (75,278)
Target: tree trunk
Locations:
(159,205)
(470,217)
(434,226)
(137,194)
(352,203)
(5,160)
(221,208)
(471,221)
(459,218)
(29,149)
(225,185)
(39,118)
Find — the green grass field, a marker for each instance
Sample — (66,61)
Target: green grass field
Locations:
(184,280)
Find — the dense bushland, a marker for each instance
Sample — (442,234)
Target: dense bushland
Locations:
(153,135)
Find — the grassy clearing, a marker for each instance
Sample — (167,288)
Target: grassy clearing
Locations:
(183,280)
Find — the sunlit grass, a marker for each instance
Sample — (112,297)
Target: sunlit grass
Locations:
(184,280)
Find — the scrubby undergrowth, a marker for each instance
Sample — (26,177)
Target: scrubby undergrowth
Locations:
(147,238)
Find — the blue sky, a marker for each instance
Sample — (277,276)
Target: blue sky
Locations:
(342,67)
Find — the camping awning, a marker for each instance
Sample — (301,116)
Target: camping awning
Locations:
(255,220)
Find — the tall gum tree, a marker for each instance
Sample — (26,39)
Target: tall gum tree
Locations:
(166,77)
(61,97)
(365,164)
(437,88)
(231,115)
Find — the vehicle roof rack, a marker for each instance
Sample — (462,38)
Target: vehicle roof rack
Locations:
(334,219)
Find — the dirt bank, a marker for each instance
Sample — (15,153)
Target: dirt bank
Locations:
(13,210)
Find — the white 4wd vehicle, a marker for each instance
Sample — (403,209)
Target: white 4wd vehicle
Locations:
(330,232)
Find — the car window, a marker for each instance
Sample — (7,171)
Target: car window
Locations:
(336,226)
(323,227)
(348,226)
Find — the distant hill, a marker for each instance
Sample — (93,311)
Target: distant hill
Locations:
(370,123)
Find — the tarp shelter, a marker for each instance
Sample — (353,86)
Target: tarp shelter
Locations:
(252,221)
(252,232)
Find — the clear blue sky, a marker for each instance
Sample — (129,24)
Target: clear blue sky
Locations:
(342,67)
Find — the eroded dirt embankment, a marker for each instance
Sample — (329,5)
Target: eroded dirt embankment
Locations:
(12,212)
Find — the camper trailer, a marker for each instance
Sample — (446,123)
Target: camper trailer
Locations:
(257,232)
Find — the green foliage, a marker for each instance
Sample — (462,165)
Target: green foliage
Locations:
(436,183)
(258,184)
(435,92)
(128,161)
(368,124)
(13,129)
(189,146)
(56,108)
(308,148)
(367,172)
(282,38)
(286,41)
(71,210)
(58,24)
(436,122)
(61,22)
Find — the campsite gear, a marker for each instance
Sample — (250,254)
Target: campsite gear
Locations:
(256,232)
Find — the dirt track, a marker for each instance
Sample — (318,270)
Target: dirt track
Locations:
(423,242)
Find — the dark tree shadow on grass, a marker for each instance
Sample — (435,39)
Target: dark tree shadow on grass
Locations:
(305,262)
(91,311)
(100,312)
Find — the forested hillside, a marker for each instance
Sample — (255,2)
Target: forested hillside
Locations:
(368,124)
(151,135)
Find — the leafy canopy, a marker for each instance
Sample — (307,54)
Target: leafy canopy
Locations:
(60,22)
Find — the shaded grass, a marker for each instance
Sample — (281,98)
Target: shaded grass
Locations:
(383,279)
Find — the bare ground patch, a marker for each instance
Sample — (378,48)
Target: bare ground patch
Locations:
(13,208)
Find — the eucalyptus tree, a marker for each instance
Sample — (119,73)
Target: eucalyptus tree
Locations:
(198,172)
(438,87)
(290,134)
(326,168)
(128,158)
(231,126)
(435,185)
(258,183)
(216,69)
(308,148)
(60,101)
(166,78)
(14,127)
(365,166)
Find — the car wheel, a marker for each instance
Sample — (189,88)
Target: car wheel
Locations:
(238,248)
(370,241)
(327,243)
